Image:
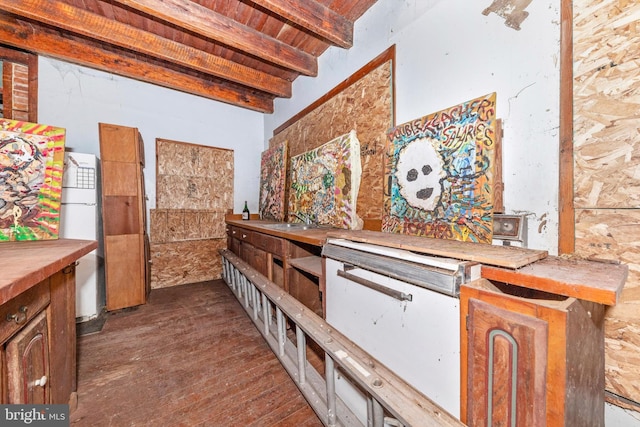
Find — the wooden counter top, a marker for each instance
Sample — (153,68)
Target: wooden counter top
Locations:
(483,253)
(312,236)
(587,280)
(24,264)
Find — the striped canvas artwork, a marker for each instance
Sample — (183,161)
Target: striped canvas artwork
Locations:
(31,163)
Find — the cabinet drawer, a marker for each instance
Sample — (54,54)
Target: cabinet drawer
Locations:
(268,243)
(14,314)
(240,234)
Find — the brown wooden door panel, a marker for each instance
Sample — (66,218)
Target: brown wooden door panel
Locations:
(124,271)
(507,367)
(120,179)
(305,288)
(116,143)
(121,215)
(28,363)
(234,246)
(260,261)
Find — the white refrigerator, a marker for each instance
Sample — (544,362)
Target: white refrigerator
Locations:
(79,219)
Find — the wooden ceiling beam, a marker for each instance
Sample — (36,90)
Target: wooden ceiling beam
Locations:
(46,42)
(314,17)
(69,18)
(210,24)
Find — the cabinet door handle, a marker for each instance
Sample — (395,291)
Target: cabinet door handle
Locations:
(375,286)
(18,317)
(41,382)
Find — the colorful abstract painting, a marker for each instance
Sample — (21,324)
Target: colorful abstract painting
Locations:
(31,162)
(439,171)
(273,178)
(325,183)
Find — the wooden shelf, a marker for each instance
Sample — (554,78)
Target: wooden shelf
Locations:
(310,264)
(597,282)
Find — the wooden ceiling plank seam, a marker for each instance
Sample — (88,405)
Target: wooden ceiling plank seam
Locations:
(49,43)
(95,6)
(68,18)
(105,9)
(315,17)
(219,6)
(242,14)
(259,20)
(272,26)
(205,22)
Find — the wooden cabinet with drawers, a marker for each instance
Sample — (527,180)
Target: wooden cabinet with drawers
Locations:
(25,338)
(292,261)
(37,321)
(260,251)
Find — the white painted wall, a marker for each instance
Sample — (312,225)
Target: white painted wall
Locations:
(449,52)
(78,98)
(619,417)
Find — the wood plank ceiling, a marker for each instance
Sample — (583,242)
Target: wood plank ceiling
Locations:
(241,52)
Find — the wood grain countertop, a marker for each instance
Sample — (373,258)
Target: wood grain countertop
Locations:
(25,264)
(530,268)
(593,281)
(313,236)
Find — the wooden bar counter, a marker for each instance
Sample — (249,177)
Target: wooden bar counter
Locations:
(531,327)
(37,320)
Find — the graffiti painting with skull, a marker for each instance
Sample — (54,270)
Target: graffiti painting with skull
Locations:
(31,163)
(439,173)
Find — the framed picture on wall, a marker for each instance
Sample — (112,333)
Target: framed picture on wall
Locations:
(31,167)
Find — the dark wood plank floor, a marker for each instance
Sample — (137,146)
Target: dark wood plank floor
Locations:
(189,357)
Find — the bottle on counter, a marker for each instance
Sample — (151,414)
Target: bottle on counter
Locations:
(245,211)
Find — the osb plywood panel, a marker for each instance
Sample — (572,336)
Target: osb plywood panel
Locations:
(173,225)
(366,106)
(194,189)
(191,176)
(607,166)
(615,235)
(185,262)
(606,103)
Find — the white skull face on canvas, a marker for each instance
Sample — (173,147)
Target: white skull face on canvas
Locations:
(418,174)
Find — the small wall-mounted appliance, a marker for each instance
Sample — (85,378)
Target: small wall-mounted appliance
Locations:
(509,230)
